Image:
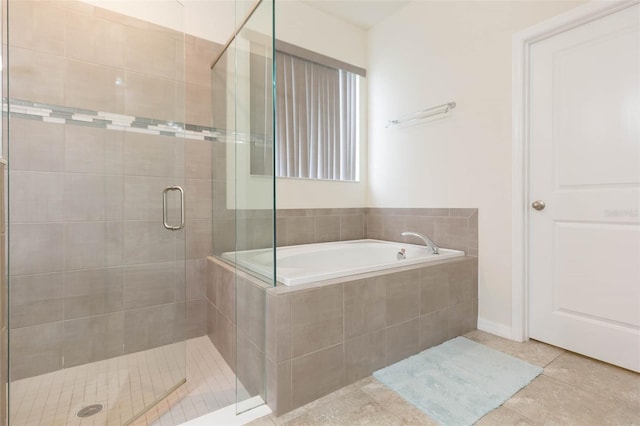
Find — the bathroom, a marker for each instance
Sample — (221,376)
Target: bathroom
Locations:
(148,160)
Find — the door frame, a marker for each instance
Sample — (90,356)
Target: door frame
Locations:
(521,45)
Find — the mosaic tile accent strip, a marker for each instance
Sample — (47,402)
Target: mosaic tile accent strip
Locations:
(108,120)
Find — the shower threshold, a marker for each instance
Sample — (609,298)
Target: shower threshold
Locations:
(227,416)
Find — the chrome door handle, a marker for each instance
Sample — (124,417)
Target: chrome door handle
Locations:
(164,208)
(538,205)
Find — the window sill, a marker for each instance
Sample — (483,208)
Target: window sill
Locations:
(317,180)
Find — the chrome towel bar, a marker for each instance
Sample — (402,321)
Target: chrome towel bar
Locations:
(421,115)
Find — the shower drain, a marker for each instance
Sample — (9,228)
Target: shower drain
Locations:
(90,410)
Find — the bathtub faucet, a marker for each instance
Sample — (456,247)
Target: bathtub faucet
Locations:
(426,240)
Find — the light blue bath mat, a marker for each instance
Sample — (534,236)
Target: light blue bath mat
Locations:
(459,381)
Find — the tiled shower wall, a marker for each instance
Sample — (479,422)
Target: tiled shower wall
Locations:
(94,97)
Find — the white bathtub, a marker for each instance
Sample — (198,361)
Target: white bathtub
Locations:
(316,262)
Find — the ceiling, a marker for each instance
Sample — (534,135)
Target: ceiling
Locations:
(363,13)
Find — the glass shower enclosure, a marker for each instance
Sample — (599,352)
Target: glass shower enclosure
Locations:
(96,235)
(121,191)
(244,204)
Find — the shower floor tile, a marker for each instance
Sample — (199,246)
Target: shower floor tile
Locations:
(125,385)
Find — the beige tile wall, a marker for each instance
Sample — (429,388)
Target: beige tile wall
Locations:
(94,274)
(450,228)
(293,227)
(70,53)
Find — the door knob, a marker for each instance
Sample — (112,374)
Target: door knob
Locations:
(538,205)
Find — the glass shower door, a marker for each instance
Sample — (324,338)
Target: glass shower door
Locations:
(96,213)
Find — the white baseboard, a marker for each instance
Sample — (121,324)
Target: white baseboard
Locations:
(494,328)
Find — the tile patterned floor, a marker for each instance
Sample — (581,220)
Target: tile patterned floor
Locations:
(572,390)
(125,385)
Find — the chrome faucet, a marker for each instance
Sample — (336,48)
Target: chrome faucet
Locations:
(426,240)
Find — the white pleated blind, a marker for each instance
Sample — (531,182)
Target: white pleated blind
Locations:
(317,114)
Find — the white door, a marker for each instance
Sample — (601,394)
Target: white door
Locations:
(584,139)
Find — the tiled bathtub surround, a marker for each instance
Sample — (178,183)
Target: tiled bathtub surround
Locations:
(237,330)
(450,228)
(94,273)
(293,227)
(321,337)
(307,226)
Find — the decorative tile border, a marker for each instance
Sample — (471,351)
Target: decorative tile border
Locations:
(107,120)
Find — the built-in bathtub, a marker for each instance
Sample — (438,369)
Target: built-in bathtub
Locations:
(308,263)
(340,311)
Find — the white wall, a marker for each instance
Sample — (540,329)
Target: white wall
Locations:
(430,53)
(300,24)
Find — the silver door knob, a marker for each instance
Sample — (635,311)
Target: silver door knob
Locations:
(538,205)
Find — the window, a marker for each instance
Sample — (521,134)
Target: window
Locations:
(317,118)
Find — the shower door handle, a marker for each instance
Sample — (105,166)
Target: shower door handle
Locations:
(165,208)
